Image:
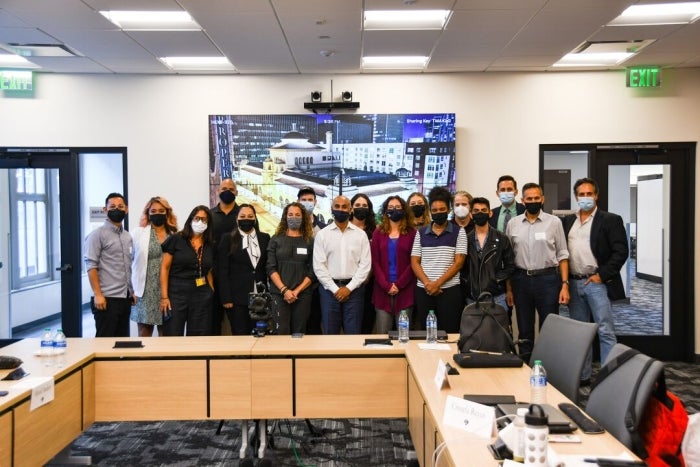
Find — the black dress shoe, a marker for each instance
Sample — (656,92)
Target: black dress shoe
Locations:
(585,383)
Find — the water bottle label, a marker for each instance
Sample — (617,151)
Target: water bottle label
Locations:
(539,380)
(46,343)
(403,324)
(60,344)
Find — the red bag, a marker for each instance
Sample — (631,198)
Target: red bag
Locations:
(662,427)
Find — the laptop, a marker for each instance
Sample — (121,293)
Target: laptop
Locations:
(557,421)
(416,335)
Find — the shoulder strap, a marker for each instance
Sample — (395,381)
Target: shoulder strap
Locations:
(613,365)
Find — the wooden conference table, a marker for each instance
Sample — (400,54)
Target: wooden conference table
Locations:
(193,378)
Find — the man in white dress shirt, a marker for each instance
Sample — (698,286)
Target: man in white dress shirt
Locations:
(342,262)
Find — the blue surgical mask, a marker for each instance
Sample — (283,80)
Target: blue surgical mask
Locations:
(586,203)
(507,197)
(308,205)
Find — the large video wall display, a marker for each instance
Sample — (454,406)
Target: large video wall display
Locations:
(271,156)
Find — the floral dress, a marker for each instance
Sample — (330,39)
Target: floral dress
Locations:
(147,309)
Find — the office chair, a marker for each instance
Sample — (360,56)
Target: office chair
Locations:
(562,346)
(610,398)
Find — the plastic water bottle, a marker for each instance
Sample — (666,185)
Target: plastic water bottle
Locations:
(538,384)
(536,433)
(59,348)
(519,425)
(403,327)
(431,328)
(47,347)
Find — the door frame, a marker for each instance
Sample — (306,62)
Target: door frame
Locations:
(679,344)
(66,160)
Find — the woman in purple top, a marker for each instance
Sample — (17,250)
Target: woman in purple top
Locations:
(394,282)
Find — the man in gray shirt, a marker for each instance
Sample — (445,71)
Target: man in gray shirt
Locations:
(541,278)
(108,263)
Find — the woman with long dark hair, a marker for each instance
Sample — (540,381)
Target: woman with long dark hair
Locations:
(157,223)
(241,261)
(290,268)
(394,281)
(186,281)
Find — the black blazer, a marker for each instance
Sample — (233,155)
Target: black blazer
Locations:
(493,220)
(609,245)
(236,274)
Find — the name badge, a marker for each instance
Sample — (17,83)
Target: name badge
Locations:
(540,236)
(301,251)
(200,281)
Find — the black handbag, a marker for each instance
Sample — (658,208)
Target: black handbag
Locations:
(485,327)
(487,360)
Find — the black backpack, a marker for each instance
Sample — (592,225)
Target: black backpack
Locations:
(485,327)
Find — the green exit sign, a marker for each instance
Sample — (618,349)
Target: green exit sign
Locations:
(20,81)
(644,77)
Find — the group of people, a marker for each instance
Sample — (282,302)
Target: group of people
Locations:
(359,272)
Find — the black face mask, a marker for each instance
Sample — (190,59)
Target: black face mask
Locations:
(227,197)
(360,213)
(440,218)
(246,225)
(340,216)
(395,214)
(533,208)
(157,219)
(418,210)
(116,215)
(480,218)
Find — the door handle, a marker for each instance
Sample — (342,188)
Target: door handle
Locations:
(65,268)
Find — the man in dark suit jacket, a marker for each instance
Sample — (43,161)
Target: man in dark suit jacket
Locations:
(506,190)
(598,248)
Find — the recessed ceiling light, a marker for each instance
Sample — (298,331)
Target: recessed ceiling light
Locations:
(410,19)
(593,59)
(15,61)
(664,13)
(197,63)
(395,63)
(41,50)
(152,20)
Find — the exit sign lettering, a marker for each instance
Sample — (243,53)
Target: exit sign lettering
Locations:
(644,77)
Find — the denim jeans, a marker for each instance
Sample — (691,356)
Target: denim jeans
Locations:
(347,315)
(592,300)
(532,293)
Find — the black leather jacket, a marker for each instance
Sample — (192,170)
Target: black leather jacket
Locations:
(488,269)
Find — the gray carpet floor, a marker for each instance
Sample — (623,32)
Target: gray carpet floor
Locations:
(337,443)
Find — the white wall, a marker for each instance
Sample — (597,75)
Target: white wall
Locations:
(501,119)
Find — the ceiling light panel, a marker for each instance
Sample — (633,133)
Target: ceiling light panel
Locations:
(198,63)
(664,13)
(15,61)
(410,19)
(395,63)
(152,20)
(593,59)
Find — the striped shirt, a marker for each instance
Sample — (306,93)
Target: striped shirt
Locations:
(437,252)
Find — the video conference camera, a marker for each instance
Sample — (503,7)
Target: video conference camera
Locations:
(260,310)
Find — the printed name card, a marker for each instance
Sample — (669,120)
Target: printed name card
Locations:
(441,375)
(469,416)
(42,391)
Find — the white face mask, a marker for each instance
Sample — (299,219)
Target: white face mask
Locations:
(461,211)
(506,197)
(198,227)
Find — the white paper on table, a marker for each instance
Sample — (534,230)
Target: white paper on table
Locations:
(439,346)
(42,390)
(577,460)
(469,416)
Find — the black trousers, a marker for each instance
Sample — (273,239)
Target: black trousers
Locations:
(291,318)
(447,306)
(239,317)
(191,308)
(113,321)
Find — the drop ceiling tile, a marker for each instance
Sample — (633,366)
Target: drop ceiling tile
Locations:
(69,65)
(102,44)
(381,43)
(25,36)
(175,43)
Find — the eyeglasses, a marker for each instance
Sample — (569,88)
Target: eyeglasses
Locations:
(203,220)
